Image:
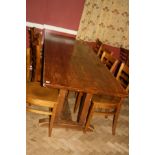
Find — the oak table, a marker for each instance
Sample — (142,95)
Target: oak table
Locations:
(70,65)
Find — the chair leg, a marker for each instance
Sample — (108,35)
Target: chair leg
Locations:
(50,126)
(89,117)
(115,118)
(78,100)
(51,121)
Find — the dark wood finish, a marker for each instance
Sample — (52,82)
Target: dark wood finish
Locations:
(71,65)
(35,37)
(61,100)
(78,101)
(124,56)
(28,64)
(40,96)
(68,64)
(123,76)
(36,53)
(110,62)
(37,67)
(84,109)
(98,44)
(36,63)
(101,51)
(109,105)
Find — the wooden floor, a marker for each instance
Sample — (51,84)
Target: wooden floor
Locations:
(73,142)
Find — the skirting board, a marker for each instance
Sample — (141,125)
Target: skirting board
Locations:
(50,27)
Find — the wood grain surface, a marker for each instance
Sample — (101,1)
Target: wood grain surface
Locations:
(71,65)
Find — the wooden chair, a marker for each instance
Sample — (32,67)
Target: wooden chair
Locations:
(124,56)
(35,36)
(111,63)
(123,76)
(108,105)
(36,63)
(39,98)
(98,44)
(32,32)
(28,64)
(101,50)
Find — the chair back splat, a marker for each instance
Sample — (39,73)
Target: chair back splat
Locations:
(28,65)
(109,61)
(123,76)
(101,50)
(36,64)
(98,44)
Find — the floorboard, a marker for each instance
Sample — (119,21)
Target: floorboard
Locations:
(73,142)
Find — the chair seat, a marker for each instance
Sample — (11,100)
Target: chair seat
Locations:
(37,95)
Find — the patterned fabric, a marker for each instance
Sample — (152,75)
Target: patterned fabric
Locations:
(107,20)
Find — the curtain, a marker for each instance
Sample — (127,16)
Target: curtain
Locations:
(107,20)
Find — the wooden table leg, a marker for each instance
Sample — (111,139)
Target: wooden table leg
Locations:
(82,115)
(61,101)
(78,101)
(84,107)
